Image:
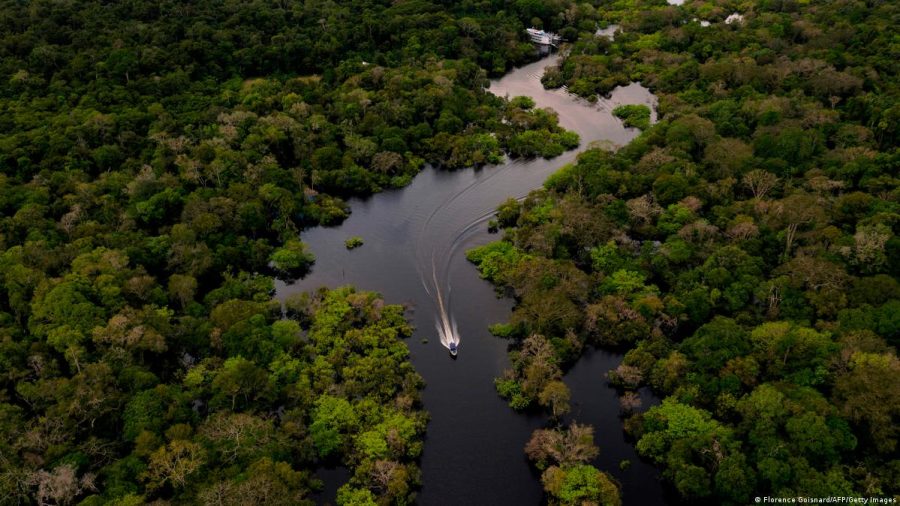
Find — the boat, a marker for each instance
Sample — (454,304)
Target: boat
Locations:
(543,38)
(453,349)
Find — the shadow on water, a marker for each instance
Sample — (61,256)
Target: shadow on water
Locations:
(415,243)
(332,478)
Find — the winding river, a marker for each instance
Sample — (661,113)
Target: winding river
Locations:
(414,254)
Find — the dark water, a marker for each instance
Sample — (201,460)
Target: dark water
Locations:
(595,403)
(415,243)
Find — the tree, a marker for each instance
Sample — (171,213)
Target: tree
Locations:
(789,350)
(534,369)
(629,402)
(182,288)
(555,396)
(239,378)
(637,116)
(626,376)
(135,330)
(292,258)
(582,484)
(237,435)
(574,445)
(760,182)
(727,157)
(174,463)
(332,418)
(60,486)
(793,212)
(683,437)
(690,133)
(267,482)
(867,394)
(350,496)
(869,248)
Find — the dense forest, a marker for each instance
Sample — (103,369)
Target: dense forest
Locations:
(743,250)
(157,163)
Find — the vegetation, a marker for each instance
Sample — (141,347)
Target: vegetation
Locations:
(562,456)
(292,258)
(353,242)
(157,164)
(743,250)
(637,116)
(271,399)
(158,161)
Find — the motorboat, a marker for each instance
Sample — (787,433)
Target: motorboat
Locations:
(453,349)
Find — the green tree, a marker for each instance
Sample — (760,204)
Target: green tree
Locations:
(292,258)
(332,418)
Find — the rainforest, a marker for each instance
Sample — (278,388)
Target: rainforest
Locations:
(234,236)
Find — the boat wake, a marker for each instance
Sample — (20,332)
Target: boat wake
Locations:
(446,327)
(445,324)
(443,249)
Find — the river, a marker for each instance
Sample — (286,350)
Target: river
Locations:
(415,243)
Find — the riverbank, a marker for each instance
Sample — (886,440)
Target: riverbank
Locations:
(474,444)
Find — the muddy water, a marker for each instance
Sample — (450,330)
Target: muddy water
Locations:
(415,243)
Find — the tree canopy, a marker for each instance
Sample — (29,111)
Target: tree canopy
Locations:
(158,163)
(742,251)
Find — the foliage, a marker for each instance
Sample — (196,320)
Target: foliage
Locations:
(159,160)
(353,242)
(158,163)
(249,420)
(562,455)
(292,258)
(493,259)
(739,250)
(637,116)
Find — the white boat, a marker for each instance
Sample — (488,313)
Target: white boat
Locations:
(543,38)
(453,349)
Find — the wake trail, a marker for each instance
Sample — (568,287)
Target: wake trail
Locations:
(446,323)
(445,326)
(448,201)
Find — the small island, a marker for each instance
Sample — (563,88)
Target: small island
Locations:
(353,242)
(634,115)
